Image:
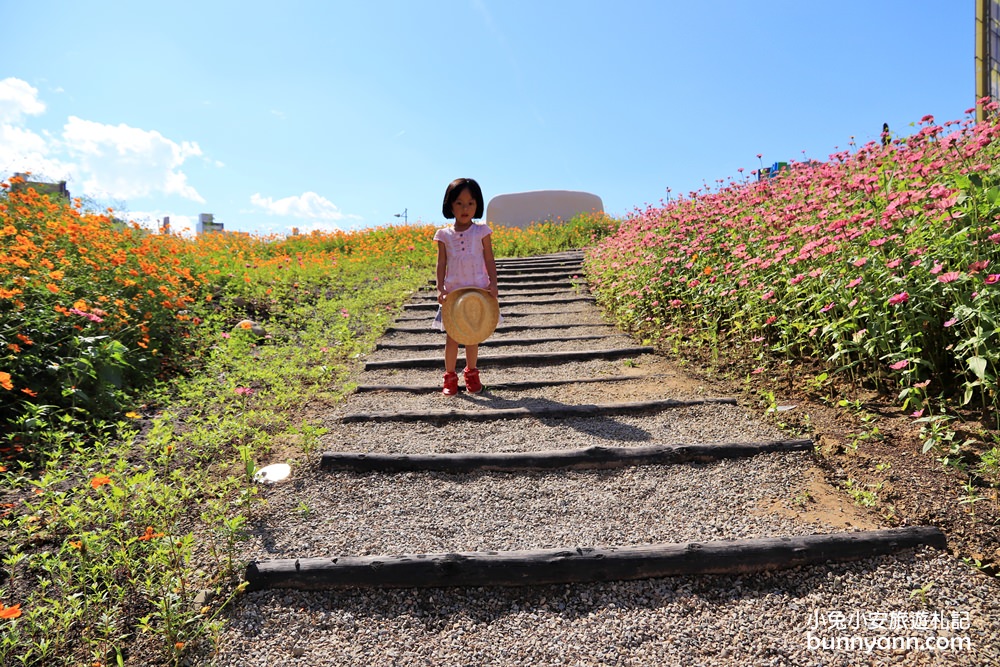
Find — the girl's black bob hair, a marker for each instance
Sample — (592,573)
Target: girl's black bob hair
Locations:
(455,189)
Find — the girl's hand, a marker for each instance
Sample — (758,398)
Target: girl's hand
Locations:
(495,291)
(441,296)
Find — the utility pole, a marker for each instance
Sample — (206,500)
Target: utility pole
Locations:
(987,52)
(402,215)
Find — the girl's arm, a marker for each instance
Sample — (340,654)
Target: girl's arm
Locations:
(442,267)
(491,266)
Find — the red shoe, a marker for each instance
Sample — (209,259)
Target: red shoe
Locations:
(472,383)
(450,383)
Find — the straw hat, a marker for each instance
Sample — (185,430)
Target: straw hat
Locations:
(470,315)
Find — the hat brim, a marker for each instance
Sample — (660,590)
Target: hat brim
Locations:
(470,315)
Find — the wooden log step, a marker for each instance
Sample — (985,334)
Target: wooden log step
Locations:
(491,342)
(421,297)
(555,411)
(503,328)
(585,565)
(542,259)
(510,302)
(518,277)
(592,458)
(516,359)
(406,317)
(522,384)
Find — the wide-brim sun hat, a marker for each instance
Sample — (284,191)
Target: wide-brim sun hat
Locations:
(470,315)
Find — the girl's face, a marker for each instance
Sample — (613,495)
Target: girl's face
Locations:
(464,207)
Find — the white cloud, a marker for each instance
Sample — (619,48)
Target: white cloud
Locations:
(20,148)
(307,206)
(123,161)
(18,99)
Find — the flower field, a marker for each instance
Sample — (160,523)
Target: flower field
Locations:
(143,380)
(881,264)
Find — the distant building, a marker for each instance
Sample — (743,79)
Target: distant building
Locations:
(165,225)
(208,225)
(52,189)
(520,209)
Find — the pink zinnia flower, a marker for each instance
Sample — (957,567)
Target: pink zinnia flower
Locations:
(936,269)
(861,261)
(918,413)
(89,316)
(894,263)
(900,365)
(854,283)
(826,307)
(902,297)
(992,278)
(976,267)
(244,391)
(949,277)
(950,322)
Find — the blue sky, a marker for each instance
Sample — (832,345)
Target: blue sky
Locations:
(323,115)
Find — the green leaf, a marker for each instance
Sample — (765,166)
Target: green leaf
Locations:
(978,366)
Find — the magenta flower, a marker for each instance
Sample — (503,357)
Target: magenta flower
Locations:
(976,267)
(936,269)
(992,279)
(949,277)
(854,283)
(950,322)
(861,261)
(89,316)
(894,263)
(918,413)
(900,365)
(245,391)
(902,297)
(826,307)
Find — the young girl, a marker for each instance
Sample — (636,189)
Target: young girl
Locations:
(464,259)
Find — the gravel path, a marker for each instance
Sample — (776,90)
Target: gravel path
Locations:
(783,618)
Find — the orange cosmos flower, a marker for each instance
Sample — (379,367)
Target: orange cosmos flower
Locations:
(149,534)
(10,612)
(5,381)
(29,392)
(52,288)
(99,481)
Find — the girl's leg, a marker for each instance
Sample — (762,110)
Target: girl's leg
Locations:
(472,383)
(450,359)
(451,354)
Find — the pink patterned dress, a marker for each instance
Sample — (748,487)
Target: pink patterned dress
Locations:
(466,263)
